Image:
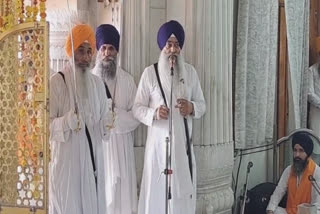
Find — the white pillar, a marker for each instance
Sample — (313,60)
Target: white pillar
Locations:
(209,48)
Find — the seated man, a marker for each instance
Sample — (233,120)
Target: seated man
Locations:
(294,179)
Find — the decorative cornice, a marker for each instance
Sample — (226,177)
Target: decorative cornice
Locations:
(59,19)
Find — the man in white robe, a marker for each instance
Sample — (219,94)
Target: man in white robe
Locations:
(151,109)
(76,171)
(120,171)
(314,93)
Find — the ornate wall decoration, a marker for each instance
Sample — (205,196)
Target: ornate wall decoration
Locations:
(23,107)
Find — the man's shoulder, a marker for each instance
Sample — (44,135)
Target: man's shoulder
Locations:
(313,69)
(58,76)
(191,72)
(148,71)
(317,170)
(124,74)
(315,66)
(189,66)
(96,79)
(287,170)
(150,67)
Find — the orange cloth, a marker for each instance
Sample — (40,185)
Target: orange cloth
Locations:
(317,43)
(80,34)
(302,193)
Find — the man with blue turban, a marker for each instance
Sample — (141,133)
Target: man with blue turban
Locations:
(151,107)
(120,174)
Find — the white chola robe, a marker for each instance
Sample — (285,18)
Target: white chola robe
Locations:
(314,98)
(148,99)
(72,187)
(120,170)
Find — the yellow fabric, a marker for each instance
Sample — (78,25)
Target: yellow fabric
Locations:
(80,34)
(302,193)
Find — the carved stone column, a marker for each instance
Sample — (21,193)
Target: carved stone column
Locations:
(209,48)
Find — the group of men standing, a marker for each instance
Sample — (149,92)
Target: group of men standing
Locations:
(93,113)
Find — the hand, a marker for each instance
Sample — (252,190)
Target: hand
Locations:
(269,212)
(185,107)
(73,120)
(109,104)
(109,120)
(162,113)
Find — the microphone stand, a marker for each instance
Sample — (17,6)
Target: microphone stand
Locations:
(168,170)
(250,164)
(314,184)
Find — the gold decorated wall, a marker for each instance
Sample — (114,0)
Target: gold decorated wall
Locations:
(23,107)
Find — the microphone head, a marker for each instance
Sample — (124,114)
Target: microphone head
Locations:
(250,164)
(172,58)
(311,178)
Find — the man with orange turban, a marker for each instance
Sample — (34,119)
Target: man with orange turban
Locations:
(79,120)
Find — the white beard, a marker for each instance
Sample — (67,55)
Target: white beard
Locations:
(178,74)
(84,86)
(82,79)
(106,70)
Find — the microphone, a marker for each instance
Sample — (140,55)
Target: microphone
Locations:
(311,178)
(172,59)
(250,164)
(314,183)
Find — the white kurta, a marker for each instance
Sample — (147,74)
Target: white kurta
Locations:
(282,188)
(120,170)
(72,188)
(314,98)
(148,99)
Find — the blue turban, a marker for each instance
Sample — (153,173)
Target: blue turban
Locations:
(167,29)
(304,141)
(107,34)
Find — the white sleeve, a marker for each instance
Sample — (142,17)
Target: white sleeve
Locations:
(280,190)
(313,98)
(59,130)
(315,198)
(197,98)
(125,121)
(141,109)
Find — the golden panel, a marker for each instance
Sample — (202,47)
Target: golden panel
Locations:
(14,12)
(24,117)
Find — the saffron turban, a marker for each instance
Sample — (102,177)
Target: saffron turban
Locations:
(167,29)
(107,34)
(304,141)
(80,34)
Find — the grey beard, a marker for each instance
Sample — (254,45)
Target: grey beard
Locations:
(299,166)
(178,77)
(164,65)
(82,78)
(108,69)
